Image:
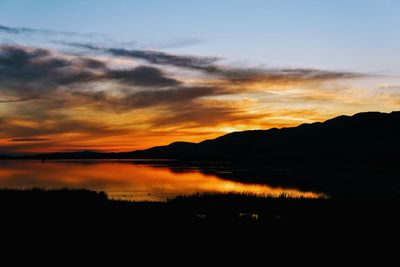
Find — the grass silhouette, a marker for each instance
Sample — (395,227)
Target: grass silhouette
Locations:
(200,222)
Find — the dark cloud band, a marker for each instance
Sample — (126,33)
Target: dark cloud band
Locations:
(230,73)
(29,139)
(27,73)
(154,57)
(25,30)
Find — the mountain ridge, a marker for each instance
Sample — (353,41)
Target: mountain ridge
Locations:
(305,140)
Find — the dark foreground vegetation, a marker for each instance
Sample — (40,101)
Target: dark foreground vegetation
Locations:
(84,210)
(76,223)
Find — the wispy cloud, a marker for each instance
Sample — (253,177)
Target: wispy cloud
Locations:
(178,43)
(26,30)
(171,98)
(284,75)
(230,73)
(154,57)
(29,139)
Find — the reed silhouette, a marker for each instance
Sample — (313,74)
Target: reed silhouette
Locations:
(81,220)
(66,207)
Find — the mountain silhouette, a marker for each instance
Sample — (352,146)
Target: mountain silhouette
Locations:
(363,136)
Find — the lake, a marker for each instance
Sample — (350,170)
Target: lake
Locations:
(127,179)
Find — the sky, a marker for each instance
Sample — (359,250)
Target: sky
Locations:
(125,75)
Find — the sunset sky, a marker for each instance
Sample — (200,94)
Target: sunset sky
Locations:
(126,75)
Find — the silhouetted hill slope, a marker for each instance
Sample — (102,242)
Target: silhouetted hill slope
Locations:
(364,135)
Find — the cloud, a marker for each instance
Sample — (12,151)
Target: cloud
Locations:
(157,57)
(154,57)
(142,76)
(25,30)
(173,97)
(179,43)
(29,139)
(17,30)
(228,73)
(59,81)
(282,76)
(20,127)
(201,113)
(31,73)
(6,99)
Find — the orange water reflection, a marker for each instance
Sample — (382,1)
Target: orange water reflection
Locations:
(124,180)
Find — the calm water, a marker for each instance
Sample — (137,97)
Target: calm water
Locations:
(125,179)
